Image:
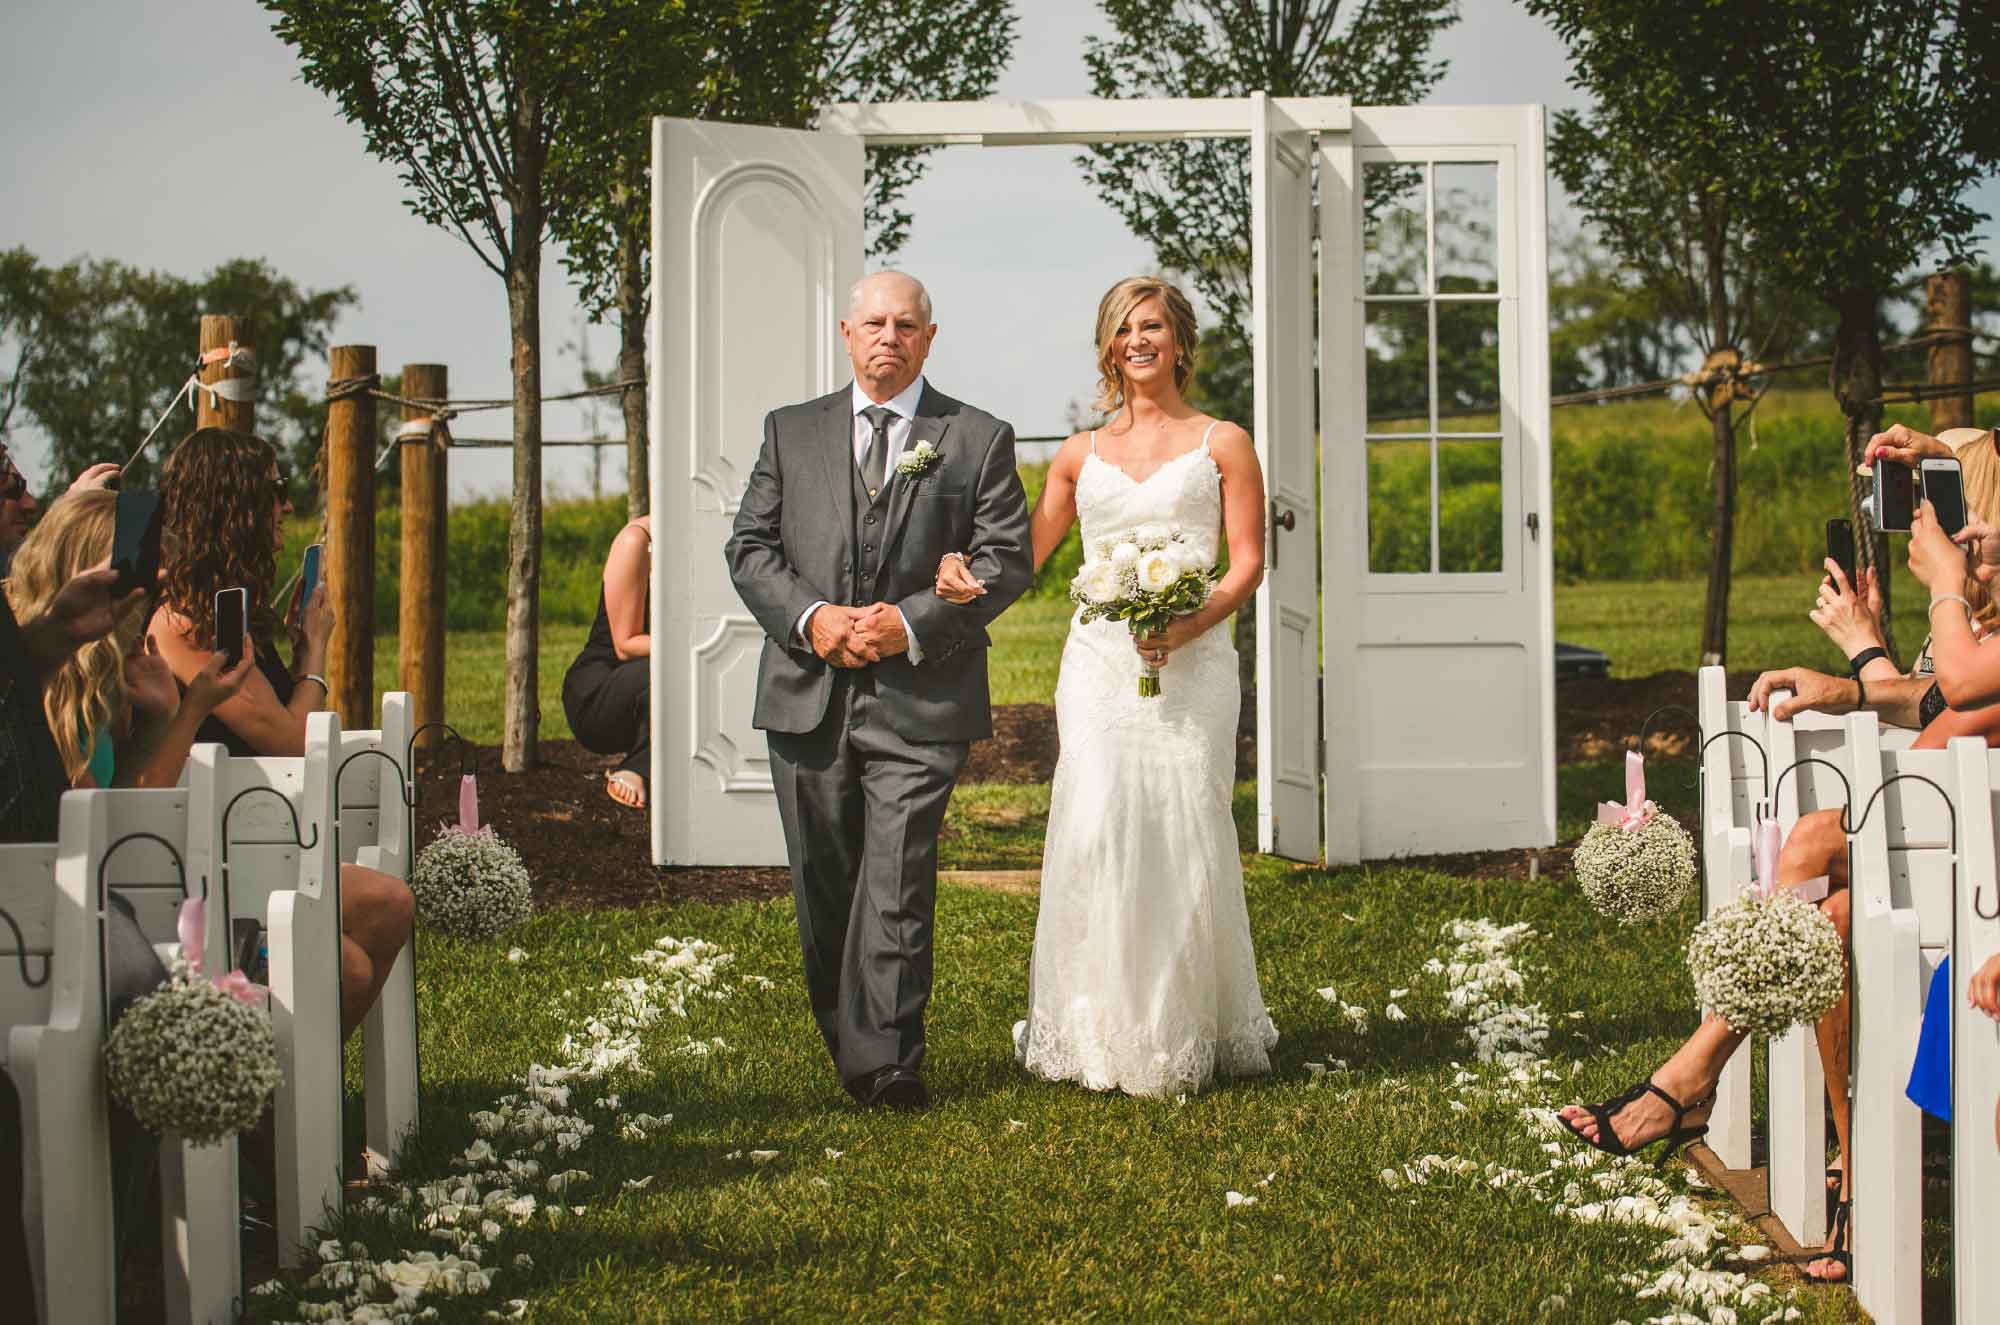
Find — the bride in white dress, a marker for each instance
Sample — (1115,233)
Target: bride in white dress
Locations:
(1143,978)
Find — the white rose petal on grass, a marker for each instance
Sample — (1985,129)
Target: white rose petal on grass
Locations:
(1394,1013)
(517,955)
(1328,994)
(1015,1124)
(1237,1200)
(639,1184)
(831,1153)
(762,1156)
(1753,1253)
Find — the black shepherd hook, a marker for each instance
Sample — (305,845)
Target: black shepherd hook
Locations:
(104,907)
(1847,800)
(297,839)
(1763,759)
(468,754)
(21,953)
(1952,810)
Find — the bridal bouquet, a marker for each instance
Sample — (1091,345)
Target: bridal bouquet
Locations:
(1145,579)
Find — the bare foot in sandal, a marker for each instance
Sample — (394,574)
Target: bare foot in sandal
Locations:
(626,787)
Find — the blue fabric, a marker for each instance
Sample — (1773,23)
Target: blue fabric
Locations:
(1930,1075)
(103,763)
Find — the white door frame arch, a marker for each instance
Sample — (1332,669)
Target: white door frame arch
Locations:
(1317,758)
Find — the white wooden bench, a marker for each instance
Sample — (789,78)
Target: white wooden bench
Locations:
(376,787)
(134,843)
(1910,908)
(1735,769)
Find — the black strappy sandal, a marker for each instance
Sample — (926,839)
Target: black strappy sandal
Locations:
(1838,1253)
(1607,1138)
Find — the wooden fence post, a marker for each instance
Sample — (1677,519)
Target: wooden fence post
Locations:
(350,539)
(1948,308)
(421,602)
(218,332)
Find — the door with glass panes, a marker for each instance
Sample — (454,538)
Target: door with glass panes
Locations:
(1434,446)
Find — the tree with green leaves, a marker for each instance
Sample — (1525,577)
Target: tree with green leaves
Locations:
(1636,162)
(1191,200)
(468,99)
(1845,135)
(770,62)
(97,348)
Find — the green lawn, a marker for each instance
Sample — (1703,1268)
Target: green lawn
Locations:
(1016,1199)
(1645,628)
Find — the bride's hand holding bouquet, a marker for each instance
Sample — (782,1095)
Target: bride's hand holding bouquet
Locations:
(1152,580)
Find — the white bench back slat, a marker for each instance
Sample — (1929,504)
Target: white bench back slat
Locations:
(1975,1047)
(1732,781)
(27,891)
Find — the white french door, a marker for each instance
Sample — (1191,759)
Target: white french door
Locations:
(756,241)
(1438,642)
(1281,274)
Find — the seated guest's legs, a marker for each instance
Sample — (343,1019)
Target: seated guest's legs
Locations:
(376,915)
(1816,846)
(1834,1031)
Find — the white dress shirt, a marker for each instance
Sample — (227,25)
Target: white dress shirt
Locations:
(903,408)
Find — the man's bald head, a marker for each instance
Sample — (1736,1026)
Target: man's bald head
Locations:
(888,331)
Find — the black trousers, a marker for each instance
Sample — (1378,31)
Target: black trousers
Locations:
(609,706)
(862,808)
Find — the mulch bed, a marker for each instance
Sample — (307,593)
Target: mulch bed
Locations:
(585,850)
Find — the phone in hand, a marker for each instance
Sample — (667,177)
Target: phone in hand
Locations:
(1895,502)
(232,615)
(135,541)
(309,571)
(1944,489)
(1840,548)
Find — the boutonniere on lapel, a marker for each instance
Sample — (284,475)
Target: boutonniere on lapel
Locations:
(917,461)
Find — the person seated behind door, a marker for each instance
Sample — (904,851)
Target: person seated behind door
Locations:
(607,693)
(223,503)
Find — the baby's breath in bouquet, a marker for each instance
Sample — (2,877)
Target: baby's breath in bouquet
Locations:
(471,884)
(1636,862)
(1144,578)
(1770,960)
(194,1057)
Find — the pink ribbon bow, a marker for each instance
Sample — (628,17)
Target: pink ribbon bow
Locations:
(1812,890)
(235,984)
(1633,814)
(468,804)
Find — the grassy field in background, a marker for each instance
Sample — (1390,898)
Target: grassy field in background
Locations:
(1645,628)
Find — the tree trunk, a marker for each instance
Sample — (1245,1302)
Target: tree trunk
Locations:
(1856,375)
(1721,540)
(632,364)
(521,711)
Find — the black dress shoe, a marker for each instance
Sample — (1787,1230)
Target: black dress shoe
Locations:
(896,1088)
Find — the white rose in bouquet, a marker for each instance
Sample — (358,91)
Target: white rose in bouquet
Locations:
(1188,557)
(1101,582)
(1157,570)
(1124,554)
(1098,549)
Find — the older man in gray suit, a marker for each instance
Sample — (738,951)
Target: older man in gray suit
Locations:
(871,687)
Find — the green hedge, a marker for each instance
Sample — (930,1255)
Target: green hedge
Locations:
(1631,503)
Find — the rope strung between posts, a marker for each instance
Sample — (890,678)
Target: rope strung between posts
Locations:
(232,389)
(1699,378)
(347,387)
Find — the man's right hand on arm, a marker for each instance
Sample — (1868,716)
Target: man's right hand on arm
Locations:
(1811,691)
(830,630)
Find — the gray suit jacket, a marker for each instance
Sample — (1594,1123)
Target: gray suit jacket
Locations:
(793,546)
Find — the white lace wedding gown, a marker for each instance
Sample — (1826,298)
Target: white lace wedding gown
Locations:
(1143,978)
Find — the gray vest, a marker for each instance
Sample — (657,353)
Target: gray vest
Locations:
(871,529)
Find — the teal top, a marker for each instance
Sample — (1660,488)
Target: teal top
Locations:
(103,763)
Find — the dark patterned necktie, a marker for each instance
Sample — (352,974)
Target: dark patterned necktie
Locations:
(875,463)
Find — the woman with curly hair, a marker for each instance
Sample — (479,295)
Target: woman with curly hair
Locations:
(224,501)
(117,717)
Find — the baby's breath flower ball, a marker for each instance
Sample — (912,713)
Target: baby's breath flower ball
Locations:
(1767,964)
(1639,876)
(191,1059)
(471,885)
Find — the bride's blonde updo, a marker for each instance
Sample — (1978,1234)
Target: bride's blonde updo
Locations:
(1117,305)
